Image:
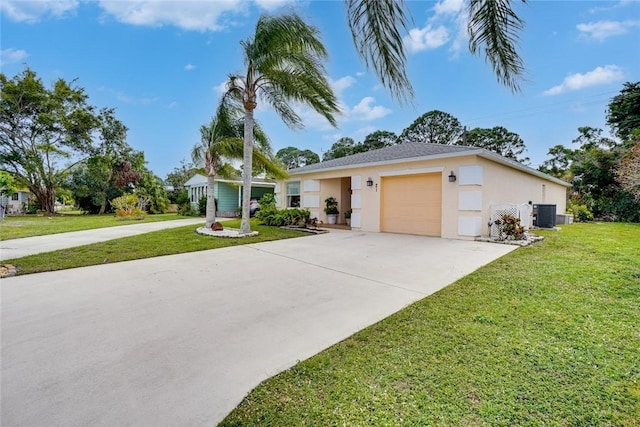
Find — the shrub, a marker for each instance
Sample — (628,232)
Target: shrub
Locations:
(580,212)
(510,227)
(268,200)
(202,206)
(270,215)
(185,209)
(129,206)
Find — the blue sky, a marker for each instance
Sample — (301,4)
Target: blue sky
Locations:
(161,64)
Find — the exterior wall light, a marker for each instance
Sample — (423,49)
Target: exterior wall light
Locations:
(452,177)
(369,182)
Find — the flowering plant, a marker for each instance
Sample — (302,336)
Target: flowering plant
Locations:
(511,227)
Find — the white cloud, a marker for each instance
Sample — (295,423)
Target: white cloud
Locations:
(189,67)
(341,84)
(188,15)
(366,112)
(426,38)
(271,5)
(599,76)
(621,3)
(449,7)
(461,40)
(10,56)
(448,23)
(33,11)
(221,88)
(602,30)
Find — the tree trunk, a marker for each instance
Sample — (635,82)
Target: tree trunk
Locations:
(210,216)
(47,198)
(247,170)
(103,204)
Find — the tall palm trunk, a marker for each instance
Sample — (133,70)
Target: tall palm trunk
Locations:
(210,216)
(247,169)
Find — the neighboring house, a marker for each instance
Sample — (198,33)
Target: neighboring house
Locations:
(15,204)
(418,188)
(228,192)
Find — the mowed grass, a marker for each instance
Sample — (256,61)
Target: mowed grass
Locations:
(16,227)
(148,245)
(547,335)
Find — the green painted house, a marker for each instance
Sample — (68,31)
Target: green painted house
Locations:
(228,192)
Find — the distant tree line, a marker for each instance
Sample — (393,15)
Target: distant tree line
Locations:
(434,127)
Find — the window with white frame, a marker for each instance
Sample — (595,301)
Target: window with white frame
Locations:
(293,194)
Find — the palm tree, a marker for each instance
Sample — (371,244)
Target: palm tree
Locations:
(492,25)
(283,63)
(221,141)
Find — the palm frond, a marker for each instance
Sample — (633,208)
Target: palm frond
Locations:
(495,26)
(269,165)
(375,27)
(285,63)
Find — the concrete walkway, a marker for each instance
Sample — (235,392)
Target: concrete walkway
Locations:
(16,248)
(181,339)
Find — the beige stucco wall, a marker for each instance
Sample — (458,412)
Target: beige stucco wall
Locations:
(500,183)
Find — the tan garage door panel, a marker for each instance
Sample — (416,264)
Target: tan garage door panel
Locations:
(412,204)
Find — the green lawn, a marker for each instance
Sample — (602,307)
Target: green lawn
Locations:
(15,227)
(148,245)
(547,335)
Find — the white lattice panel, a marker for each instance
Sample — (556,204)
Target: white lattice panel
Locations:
(522,211)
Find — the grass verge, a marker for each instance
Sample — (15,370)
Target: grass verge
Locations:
(16,227)
(547,335)
(148,245)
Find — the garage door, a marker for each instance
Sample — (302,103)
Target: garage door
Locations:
(412,204)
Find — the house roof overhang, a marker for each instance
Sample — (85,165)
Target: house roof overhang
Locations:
(480,152)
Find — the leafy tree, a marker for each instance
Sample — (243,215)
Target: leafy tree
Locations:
(559,164)
(499,140)
(177,178)
(7,188)
(104,175)
(100,178)
(293,157)
(283,62)
(434,127)
(40,130)
(7,184)
(628,171)
(378,139)
(593,168)
(623,112)
(151,188)
(492,26)
(344,146)
(222,140)
(604,171)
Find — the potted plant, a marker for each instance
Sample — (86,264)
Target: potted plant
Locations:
(331,209)
(347,217)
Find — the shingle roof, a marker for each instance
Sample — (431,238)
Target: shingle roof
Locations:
(395,152)
(416,150)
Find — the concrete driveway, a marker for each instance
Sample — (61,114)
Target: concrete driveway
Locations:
(180,340)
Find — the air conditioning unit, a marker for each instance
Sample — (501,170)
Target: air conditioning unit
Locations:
(545,216)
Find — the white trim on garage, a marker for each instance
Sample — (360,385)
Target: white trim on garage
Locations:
(411,171)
